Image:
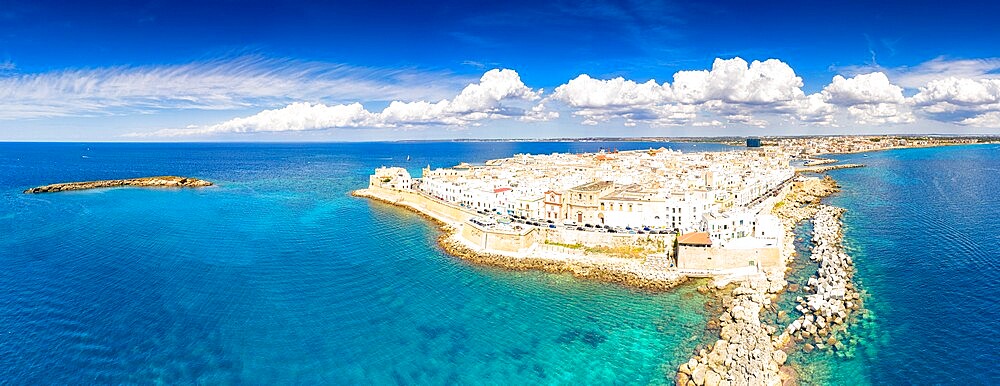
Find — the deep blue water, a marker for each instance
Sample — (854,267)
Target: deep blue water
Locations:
(924,228)
(278,276)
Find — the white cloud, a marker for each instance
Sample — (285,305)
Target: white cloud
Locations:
(989,120)
(959,92)
(956,91)
(733,89)
(869,88)
(476,102)
(598,100)
(941,68)
(315,96)
(813,109)
(880,113)
(733,81)
(869,98)
(971,102)
(913,77)
(589,93)
(212,85)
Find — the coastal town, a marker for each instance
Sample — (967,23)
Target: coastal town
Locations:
(811,146)
(668,213)
(529,205)
(652,219)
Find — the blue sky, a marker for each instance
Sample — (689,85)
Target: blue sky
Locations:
(300,70)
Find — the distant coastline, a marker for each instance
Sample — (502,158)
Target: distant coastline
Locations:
(728,140)
(144,182)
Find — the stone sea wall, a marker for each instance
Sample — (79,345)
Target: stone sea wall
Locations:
(610,270)
(627,272)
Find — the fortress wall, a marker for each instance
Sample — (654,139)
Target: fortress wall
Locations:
(726,258)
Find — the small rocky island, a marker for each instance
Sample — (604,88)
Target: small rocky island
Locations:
(144,182)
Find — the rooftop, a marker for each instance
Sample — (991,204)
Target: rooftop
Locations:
(594,186)
(695,238)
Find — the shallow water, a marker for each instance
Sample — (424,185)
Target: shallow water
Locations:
(278,276)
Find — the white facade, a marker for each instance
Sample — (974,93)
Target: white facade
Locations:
(394,178)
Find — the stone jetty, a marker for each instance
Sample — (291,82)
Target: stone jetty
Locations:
(816,161)
(750,351)
(144,182)
(833,296)
(745,353)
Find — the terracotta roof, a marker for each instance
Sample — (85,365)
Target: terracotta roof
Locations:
(694,238)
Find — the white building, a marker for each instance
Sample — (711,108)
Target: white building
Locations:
(393,178)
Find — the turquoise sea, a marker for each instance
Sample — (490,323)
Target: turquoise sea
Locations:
(278,276)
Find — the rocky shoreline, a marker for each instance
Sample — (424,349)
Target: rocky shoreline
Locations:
(623,273)
(585,269)
(144,182)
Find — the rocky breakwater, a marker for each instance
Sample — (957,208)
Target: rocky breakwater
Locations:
(833,296)
(745,353)
(803,200)
(826,168)
(144,182)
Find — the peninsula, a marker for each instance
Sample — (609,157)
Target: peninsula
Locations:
(651,219)
(655,216)
(144,182)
